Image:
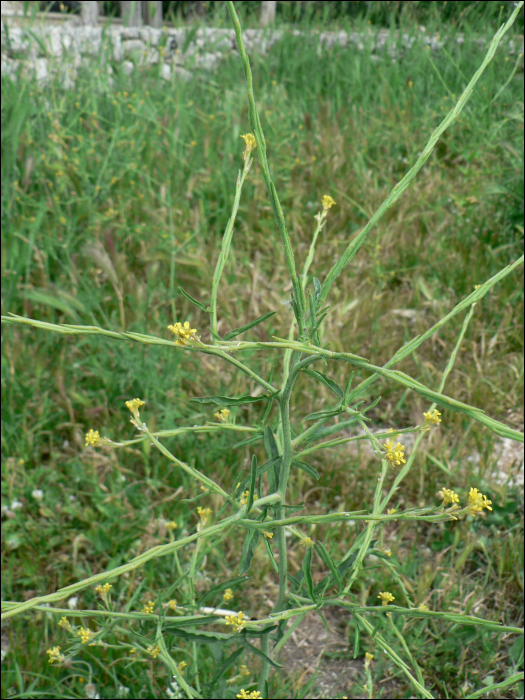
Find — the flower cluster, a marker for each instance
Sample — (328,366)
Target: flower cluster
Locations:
(133,405)
(394,453)
(327,202)
(251,144)
(93,438)
(181,667)
(103,590)
(184,332)
(55,656)
(65,624)
(449,496)
(368,659)
(227,595)
(222,415)
(204,514)
(237,622)
(84,634)
(243,694)
(244,498)
(432,418)
(307,542)
(153,651)
(171,525)
(172,604)
(148,607)
(477,501)
(386,597)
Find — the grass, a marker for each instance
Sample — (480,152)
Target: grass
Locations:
(114,196)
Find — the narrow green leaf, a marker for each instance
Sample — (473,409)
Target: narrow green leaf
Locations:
(260,470)
(323,414)
(249,441)
(356,639)
(193,301)
(248,550)
(317,289)
(255,650)
(228,401)
(201,637)
(329,562)
(227,664)
(215,335)
(348,388)
(255,322)
(232,583)
(307,573)
(326,381)
(307,468)
(270,554)
(272,451)
(253,477)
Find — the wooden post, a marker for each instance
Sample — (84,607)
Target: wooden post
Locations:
(268,13)
(89,13)
(152,14)
(128,19)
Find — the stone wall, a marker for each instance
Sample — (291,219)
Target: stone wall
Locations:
(46,49)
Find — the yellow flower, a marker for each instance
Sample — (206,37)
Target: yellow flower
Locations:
(237,621)
(64,623)
(386,597)
(432,418)
(391,511)
(184,333)
(172,604)
(227,595)
(422,607)
(267,534)
(171,525)
(153,651)
(243,694)
(181,667)
(222,415)
(134,406)
(307,542)
(327,202)
(368,659)
(244,670)
(103,590)
(244,498)
(477,501)
(448,496)
(388,552)
(55,655)
(251,144)
(394,453)
(84,634)
(148,607)
(93,438)
(204,514)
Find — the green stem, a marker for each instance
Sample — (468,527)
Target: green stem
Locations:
(403,184)
(226,243)
(261,150)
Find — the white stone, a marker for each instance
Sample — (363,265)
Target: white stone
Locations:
(42,70)
(182,73)
(208,61)
(127,67)
(165,71)
(133,46)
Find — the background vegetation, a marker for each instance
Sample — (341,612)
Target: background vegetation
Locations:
(113,196)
